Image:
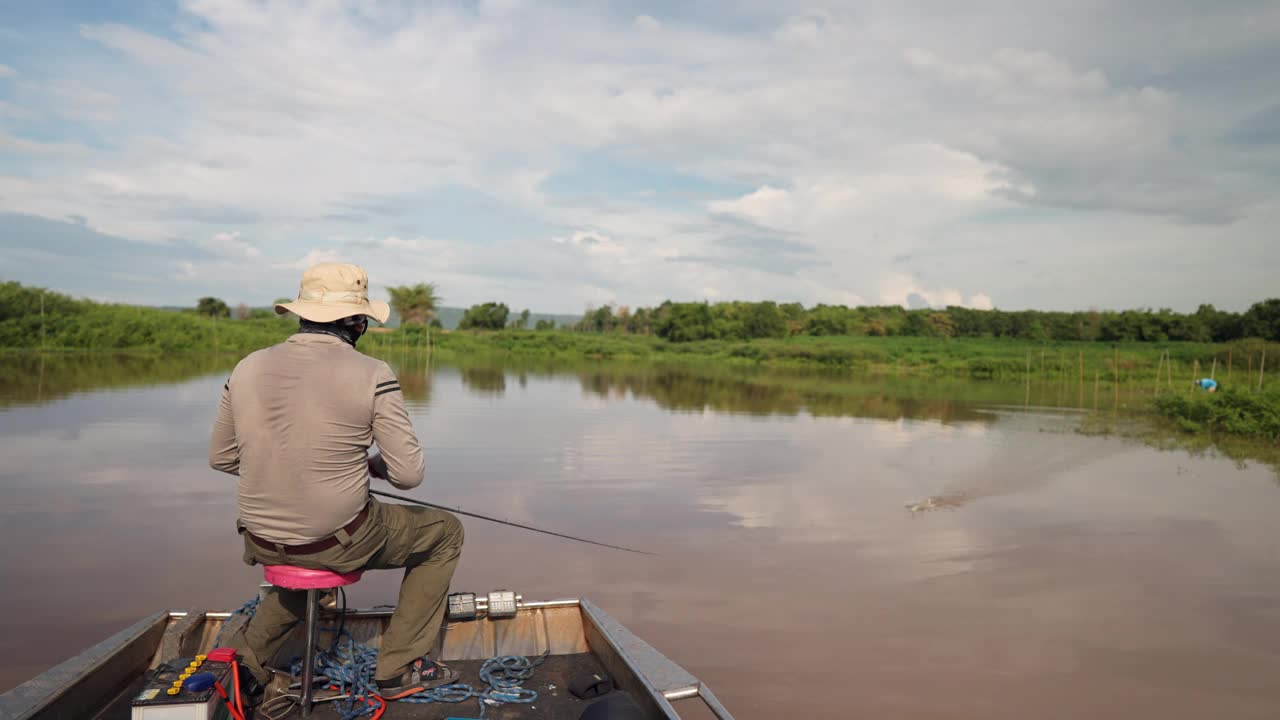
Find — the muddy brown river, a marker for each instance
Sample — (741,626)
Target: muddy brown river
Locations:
(1060,576)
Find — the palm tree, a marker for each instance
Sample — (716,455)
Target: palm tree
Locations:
(415,304)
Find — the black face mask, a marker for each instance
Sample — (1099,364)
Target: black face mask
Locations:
(349,330)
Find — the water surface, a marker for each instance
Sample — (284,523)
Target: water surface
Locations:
(1074,577)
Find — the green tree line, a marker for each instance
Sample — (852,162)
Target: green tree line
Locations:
(35,317)
(691,322)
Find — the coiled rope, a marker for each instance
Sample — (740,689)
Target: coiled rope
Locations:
(349,666)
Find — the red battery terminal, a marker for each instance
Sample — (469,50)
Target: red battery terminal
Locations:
(225,655)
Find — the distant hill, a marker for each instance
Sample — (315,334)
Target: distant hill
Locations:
(451,316)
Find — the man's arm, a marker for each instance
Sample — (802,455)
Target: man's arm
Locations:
(224,452)
(393,432)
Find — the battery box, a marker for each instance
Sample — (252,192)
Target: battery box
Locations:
(156,702)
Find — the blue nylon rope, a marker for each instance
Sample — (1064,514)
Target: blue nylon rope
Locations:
(350,666)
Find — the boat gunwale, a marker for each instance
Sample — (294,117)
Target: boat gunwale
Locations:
(85,668)
(97,665)
(369,613)
(597,620)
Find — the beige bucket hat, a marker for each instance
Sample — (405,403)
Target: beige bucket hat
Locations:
(332,291)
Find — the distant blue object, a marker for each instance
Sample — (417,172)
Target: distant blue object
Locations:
(1207,384)
(199,682)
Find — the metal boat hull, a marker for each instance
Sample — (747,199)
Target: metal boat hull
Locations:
(99,682)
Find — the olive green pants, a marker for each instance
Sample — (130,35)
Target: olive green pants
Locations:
(424,541)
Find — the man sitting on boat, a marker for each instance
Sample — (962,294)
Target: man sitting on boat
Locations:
(295,422)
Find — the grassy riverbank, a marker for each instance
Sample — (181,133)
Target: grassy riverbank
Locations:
(980,358)
(1146,377)
(1231,412)
(1142,378)
(35,319)
(1243,424)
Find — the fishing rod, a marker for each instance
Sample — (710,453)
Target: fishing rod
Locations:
(459,511)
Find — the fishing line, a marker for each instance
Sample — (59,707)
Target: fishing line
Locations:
(460,511)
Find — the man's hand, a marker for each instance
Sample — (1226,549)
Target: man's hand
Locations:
(378,466)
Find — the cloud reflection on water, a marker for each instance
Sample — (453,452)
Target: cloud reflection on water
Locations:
(1093,577)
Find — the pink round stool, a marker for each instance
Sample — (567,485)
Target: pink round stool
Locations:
(296,578)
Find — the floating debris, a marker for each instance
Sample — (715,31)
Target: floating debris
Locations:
(937,502)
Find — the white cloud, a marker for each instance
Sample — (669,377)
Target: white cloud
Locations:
(904,291)
(767,206)
(7,72)
(589,239)
(11,110)
(831,154)
(500,7)
(807,29)
(1069,138)
(231,244)
(647,22)
(981,301)
(395,243)
(23,145)
(914,186)
(81,101)
(315,257)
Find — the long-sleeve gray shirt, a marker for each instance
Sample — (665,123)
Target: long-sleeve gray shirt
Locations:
(296,421)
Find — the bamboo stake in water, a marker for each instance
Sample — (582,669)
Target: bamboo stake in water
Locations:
(1097,378)
(1214,370)
(42,321)
(1230,358)
(1062,389)
(1066,381)
(1027,401)
(1115,368)
(1159,367)
(1262,368)
(1195,371)
(1081,374)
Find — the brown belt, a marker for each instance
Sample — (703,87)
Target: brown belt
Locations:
(312,547)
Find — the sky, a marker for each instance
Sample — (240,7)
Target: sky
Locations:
(1055,155)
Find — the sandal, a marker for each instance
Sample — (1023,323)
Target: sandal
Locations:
(423,674)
